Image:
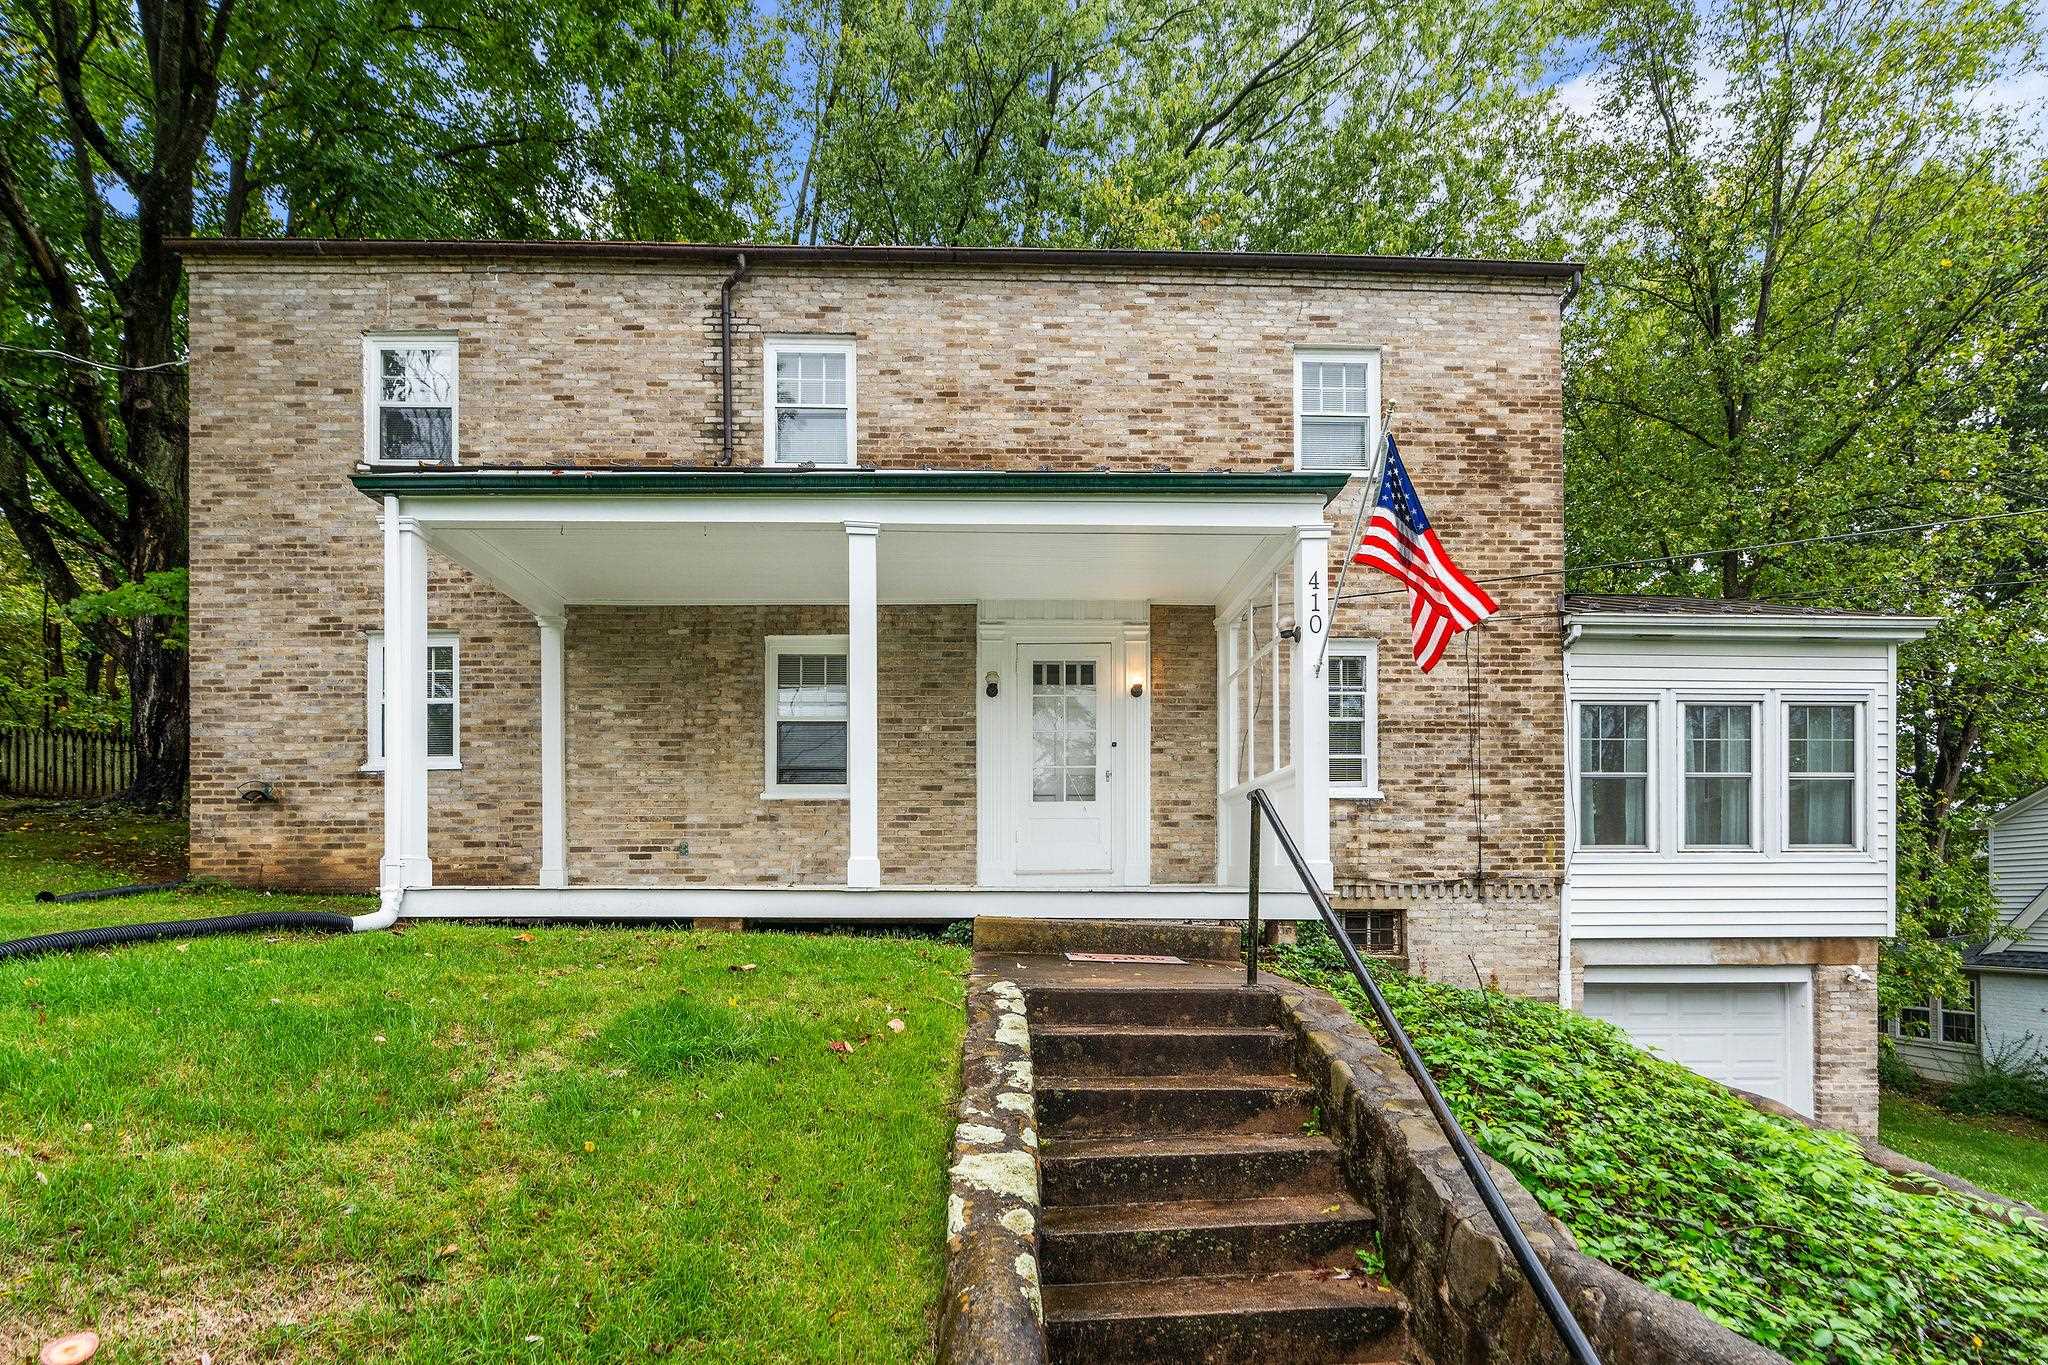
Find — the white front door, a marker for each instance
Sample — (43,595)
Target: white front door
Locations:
(1066,773)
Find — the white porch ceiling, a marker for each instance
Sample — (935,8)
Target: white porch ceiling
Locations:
(739,564)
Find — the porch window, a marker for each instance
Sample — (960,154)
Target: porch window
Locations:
(409,400)
(1336,409)
(1354,718)
(807,708)
(1821,775)
(810,402)
(444,702)
(1614,775)
(1718,774)
(1256,682)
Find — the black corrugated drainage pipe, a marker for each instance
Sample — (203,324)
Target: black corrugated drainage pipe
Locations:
(725,352)
(105,893)
(71,940)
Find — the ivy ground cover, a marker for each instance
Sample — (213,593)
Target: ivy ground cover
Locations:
(462,1143)
(1784,1234)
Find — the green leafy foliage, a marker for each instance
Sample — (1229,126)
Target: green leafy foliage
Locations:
(2012,1079)
(1783,1233)
(159,594)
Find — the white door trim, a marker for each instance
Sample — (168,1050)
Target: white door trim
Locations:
(1125,630)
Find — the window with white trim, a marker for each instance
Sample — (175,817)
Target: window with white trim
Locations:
(409,400)
(1354,718)
(1614,774)
(810,408)
(1255,683)
(1720,771)
(808,704)
(1939,1020)
(444,701)
(1820,774)
(1336,409)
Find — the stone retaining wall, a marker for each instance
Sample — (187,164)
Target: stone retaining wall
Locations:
(1469,1302)
(991,1312)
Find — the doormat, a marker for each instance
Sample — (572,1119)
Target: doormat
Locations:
(1126,957)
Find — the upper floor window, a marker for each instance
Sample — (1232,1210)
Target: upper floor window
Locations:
(444,701)
(808,707)
(1336,409)
(409,399)
(1719,772)
(1354,718)
(1614,775)
(1820,765)
(810,392)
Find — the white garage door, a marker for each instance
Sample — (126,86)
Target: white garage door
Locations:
(1738,1034)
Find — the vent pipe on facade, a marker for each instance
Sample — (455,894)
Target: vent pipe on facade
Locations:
(725,352)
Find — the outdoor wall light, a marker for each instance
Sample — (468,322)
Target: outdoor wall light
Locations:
(990,686)
(256,793)
(1137,689)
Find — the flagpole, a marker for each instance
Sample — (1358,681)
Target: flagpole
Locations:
(1372,491)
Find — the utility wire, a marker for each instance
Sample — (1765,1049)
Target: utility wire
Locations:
(1731,549)
(95,364)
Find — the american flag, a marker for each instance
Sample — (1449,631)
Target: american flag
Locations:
(1441,600)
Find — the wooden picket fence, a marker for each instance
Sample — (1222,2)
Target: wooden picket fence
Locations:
(61,762)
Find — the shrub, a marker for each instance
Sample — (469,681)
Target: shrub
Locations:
(1783,1233)
(2012,1080)
(1894,1074)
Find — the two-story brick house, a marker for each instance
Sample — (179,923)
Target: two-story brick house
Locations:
(823,583)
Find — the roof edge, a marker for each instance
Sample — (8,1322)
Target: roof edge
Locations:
(1888,629)
(771,253)
(542,481)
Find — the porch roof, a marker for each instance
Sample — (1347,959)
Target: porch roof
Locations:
(700,481)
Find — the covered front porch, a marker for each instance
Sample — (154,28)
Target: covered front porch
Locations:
(834,695)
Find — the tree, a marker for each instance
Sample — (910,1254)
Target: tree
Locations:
(127,126)
(1151,123)
(1817,249)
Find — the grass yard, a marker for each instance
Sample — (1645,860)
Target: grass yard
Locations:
(2007,1156)
(461,1143)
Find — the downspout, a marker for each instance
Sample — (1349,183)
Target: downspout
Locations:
(1564,878)
(725,353)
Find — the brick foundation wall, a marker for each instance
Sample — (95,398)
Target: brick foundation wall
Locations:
(981,367)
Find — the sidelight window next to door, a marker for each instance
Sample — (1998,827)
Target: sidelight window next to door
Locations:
(1064,733)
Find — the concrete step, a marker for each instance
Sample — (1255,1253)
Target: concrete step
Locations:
(1158,1050)
(1102,1106)
(1301,1317)
(1232,1166)
(1093,1243)
(1191,940)
(1159,1006)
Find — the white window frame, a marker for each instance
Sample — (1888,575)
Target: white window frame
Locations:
(374,344)
(1682,773)
(373,703)
(1858,788)
(1937,1019)
(1368,357)
(1653,797)
(774,647)
(1252,685)
(833,345)
(1368,788)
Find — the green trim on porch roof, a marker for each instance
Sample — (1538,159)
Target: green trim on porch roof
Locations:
(544,482)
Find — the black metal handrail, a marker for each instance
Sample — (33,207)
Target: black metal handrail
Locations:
(1575,1343)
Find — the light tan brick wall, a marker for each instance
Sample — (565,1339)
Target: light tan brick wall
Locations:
(1014,368)
(1183,745)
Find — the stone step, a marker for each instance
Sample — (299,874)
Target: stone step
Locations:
(1094,1243)
(1158,1050)
(1163,1006)
(1300,1317)
(1192,940)
(1232,1166)
(1103,1106)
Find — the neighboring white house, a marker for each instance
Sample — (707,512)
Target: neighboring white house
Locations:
(2006,1012)
(1730,831)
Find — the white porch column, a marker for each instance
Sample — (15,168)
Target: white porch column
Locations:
(1309,723)
(405,863)
(864,846)
(554,834)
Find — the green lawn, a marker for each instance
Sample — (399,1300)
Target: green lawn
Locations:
(2005,1156)
(462,1143)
